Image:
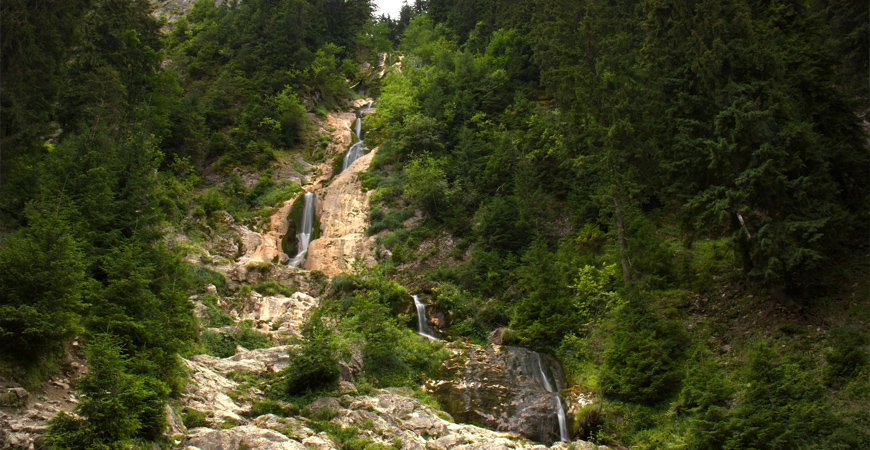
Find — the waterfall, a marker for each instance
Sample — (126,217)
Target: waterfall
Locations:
(423,327)
(305,229)
(358,149)
(560,412)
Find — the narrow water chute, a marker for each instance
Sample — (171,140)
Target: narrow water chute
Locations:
(423,327)
(306,228)
(560,411)
(358,149)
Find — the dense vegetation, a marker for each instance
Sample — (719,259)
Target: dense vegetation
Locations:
(606,166)
(625,183)
(107,126)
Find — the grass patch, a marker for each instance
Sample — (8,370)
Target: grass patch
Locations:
(272,287)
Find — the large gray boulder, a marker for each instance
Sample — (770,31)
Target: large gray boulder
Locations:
(502,388)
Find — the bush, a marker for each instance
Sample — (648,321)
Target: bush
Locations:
(277,195)
(313,362)
(272,287)
(642,358)
(192,418)
(782,406)
(216,317)
(223,345)
(41,279)
(203,276)
(115,405)
(276,407)
(847,357)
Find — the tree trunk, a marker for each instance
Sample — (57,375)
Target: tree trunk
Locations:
(623,244)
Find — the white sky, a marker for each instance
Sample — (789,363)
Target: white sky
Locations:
(389,7)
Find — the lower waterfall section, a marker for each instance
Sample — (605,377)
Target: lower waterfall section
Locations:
(504,388)
(560,410)
(423,327)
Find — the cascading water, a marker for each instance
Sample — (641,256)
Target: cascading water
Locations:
(423,327)
(560,412)
(357,149)
(305,230)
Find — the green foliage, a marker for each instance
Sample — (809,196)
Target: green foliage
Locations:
(643,357)
(223,345)
(277,407)
(203,276)
(393,355)
(272,287)
(313,362)
(277,195)
(115,405)
(192,418)
(781,404)
(215,316)
(42,277)
(848,357)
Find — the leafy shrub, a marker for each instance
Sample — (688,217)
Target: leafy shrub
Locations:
(221,345)
(264,184)
(390,220)
(216,317)
(277,195)
(252,339)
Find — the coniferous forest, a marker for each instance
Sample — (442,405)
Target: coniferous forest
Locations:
(669,197)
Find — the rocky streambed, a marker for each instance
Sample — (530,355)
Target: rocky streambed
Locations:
(392,418)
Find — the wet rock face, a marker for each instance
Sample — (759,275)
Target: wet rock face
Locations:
(500,388)
(343,210)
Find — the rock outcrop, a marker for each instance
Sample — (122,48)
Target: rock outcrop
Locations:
(280,314)
(501,388)
(389,417)
(247,436)
(260,360)
(24,415)
(343,209)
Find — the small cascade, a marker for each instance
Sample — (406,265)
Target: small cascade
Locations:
(305,230)
(560,411)
(358,149)
(423,327)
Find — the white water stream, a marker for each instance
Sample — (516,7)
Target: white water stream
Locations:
(560,412)
(358,149)
(305,230)
(423,327)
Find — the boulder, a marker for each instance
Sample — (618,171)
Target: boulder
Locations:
(207,392)
(240,437)
(260,360)
(501,388)
(290,312)
(319,442)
